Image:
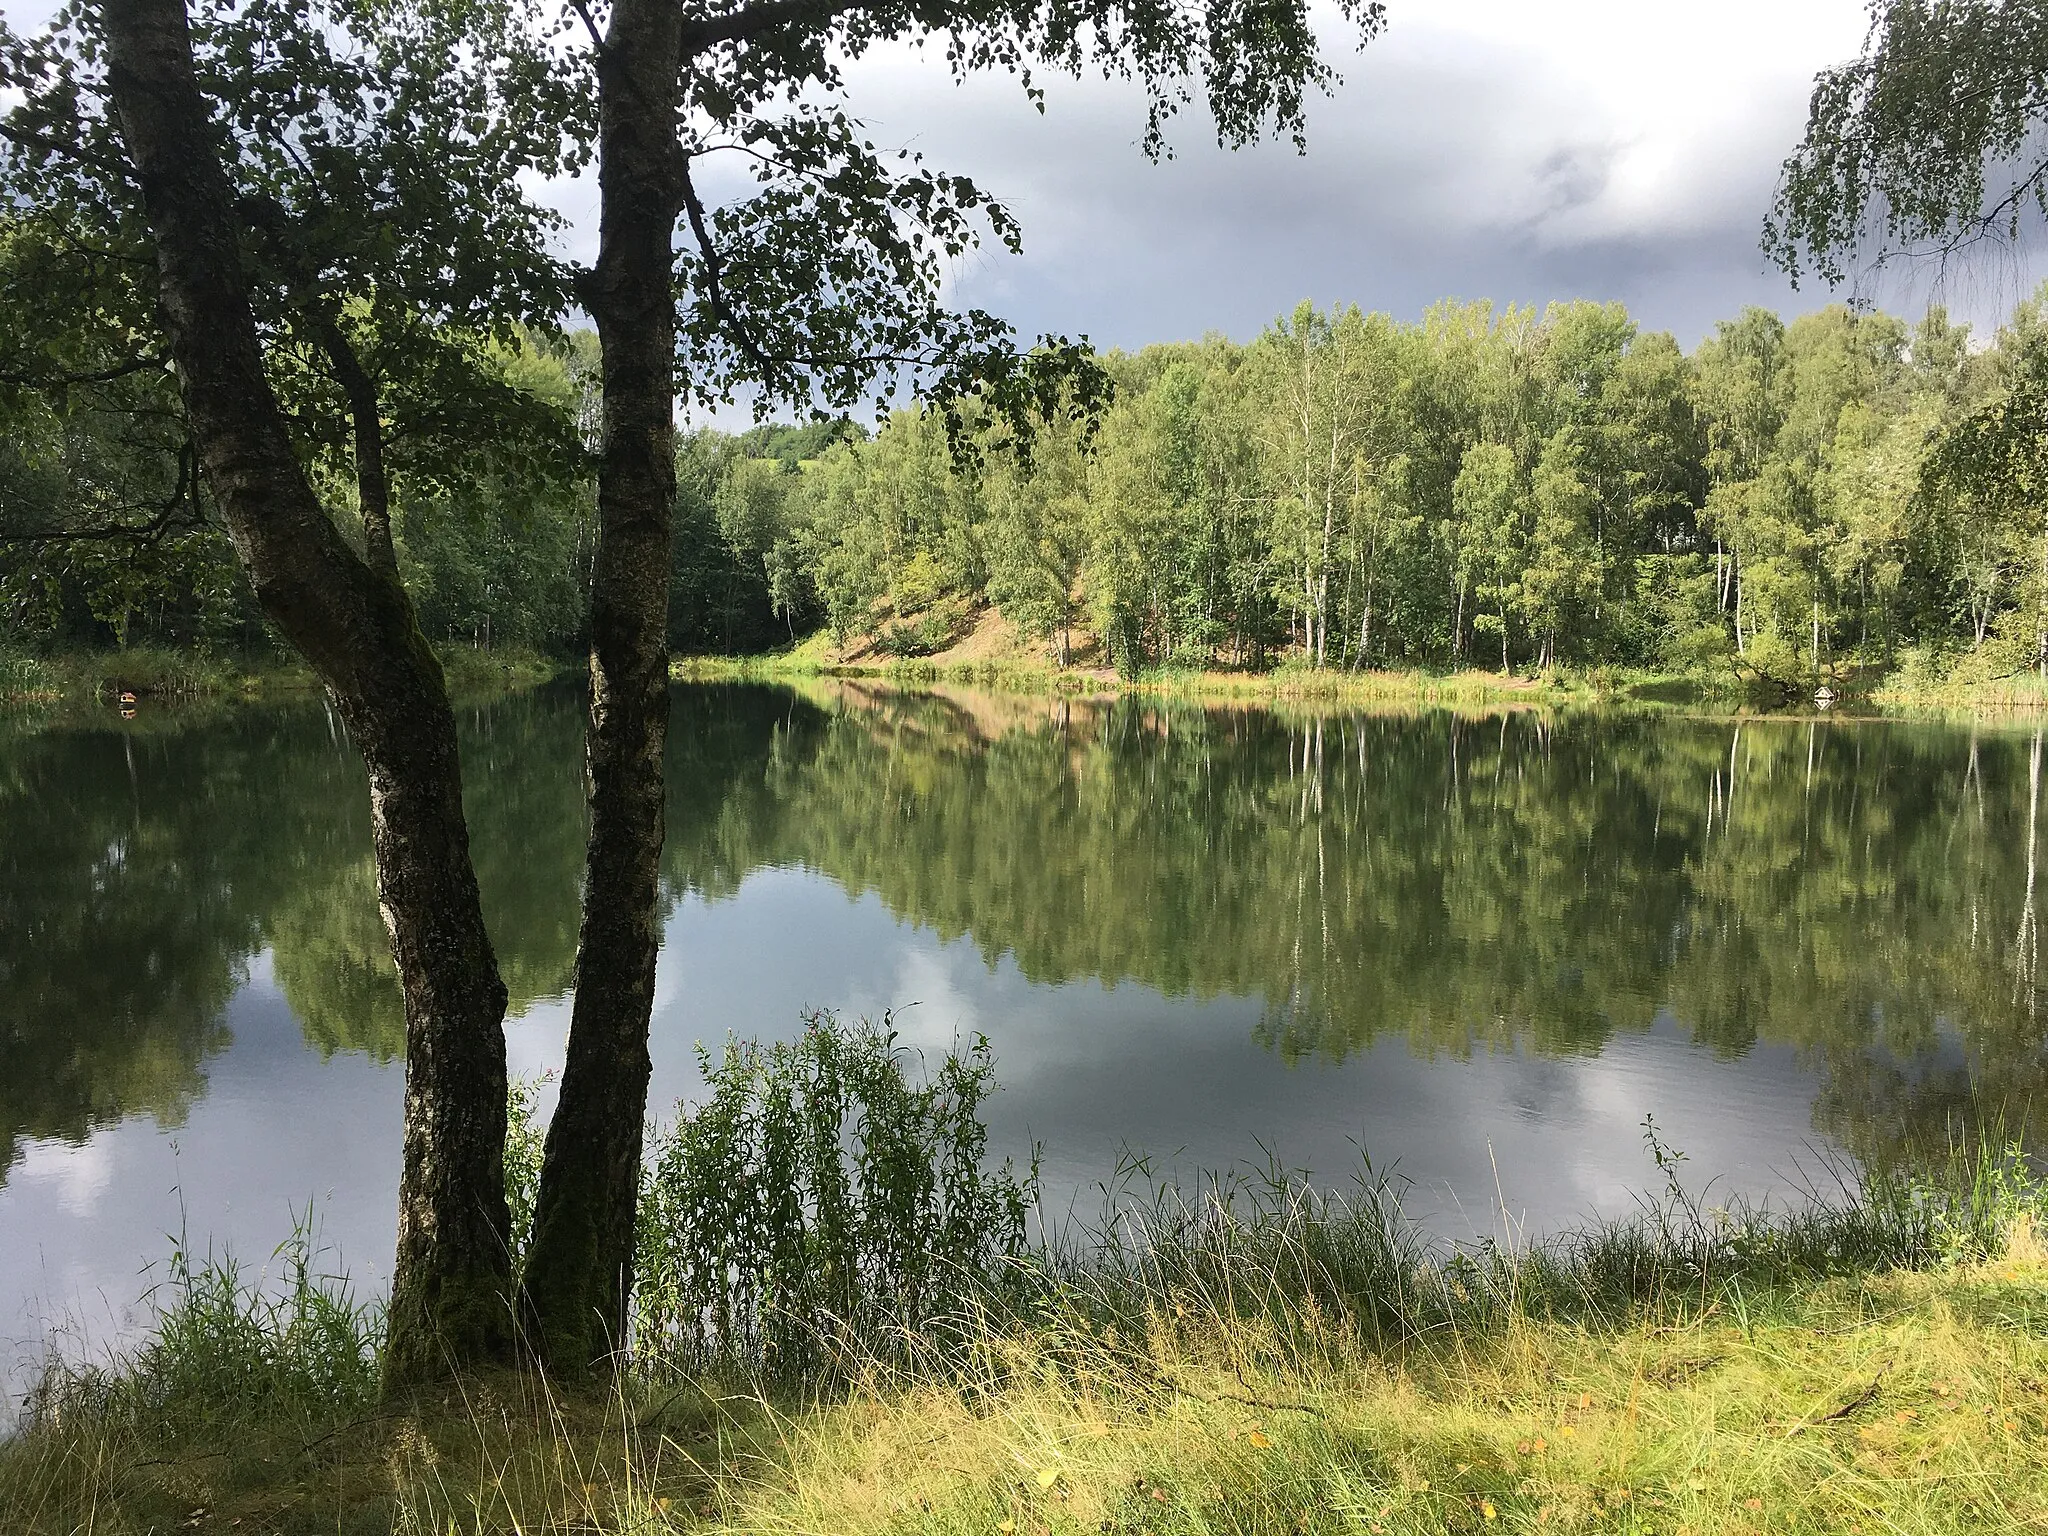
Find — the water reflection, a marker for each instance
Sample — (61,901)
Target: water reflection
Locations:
(1859,892)
(1859,897)
(142,869)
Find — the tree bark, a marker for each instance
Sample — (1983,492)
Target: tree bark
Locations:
(366,422)
(579,1270)
(450,1303)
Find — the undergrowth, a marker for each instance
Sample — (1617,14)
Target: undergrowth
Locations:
(842,1328)
(26,677)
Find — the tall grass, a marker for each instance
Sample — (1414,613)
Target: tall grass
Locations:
(1310,1265)
(225,1346)
(27,677)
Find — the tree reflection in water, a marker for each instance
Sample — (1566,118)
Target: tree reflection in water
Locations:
(1861,891)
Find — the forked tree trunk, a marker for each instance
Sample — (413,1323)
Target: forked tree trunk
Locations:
(449,1306)
(579,1270)
(366,425)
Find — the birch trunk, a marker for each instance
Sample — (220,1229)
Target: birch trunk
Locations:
(579,1272)
(354,624)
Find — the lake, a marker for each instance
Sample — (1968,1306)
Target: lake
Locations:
(1479,948)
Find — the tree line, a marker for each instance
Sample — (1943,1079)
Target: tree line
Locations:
(1497,487)
(1797,503)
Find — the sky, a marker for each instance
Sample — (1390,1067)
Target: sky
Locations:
(1601,149)
(1500,149)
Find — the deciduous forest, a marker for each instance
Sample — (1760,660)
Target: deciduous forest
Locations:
(1826,500)
(1507,488)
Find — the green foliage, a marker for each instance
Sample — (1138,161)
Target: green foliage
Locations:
(377,155)
(1791,507)
(1924,143)
(1975,1204)
(819,1200)
(525,1145)
(1502,488)
(828,281)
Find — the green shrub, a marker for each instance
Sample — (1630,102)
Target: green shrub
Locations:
(525,1141)
(822,1199)
(903,641)
(939,625)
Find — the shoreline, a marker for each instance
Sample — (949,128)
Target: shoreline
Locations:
(160,676)
(1599,688)
(1284,684)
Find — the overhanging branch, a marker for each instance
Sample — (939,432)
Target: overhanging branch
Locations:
(164,519)
(714,284)
(27,138)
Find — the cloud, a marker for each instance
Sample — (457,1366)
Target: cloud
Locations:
(1605,149)
(78,1172)
(1586,148)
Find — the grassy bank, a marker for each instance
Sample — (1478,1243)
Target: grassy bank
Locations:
(1286,684)
(1901,1402)
(2021,694)
(166,674)
(1254,1356)
(2022,691)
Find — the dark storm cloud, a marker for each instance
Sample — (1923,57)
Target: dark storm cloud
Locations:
(1604,156)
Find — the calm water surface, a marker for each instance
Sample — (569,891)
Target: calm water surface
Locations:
(1480,948)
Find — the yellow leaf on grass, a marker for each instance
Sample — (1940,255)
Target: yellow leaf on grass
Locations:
(1048,1477)
(1259,1441)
